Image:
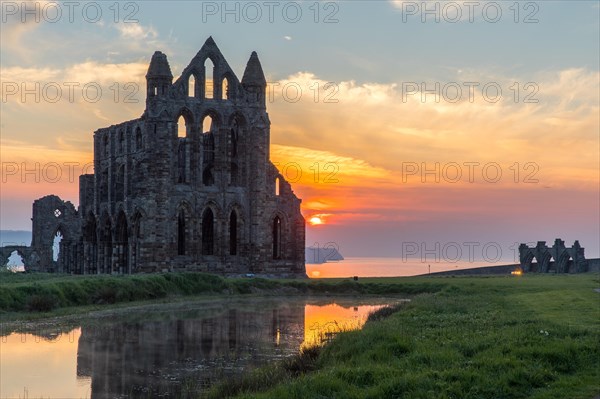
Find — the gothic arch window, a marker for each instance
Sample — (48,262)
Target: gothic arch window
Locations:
(233,236)
(225,86)
(277,186)
(181,236)
(208,79)
(277,238)
(192,86)
(56,241)
(208,143)
(182,127)
(208,124)
(208,232)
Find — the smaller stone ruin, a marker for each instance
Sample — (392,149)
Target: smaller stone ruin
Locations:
(557,258)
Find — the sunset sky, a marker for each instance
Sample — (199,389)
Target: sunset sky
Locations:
(368,117)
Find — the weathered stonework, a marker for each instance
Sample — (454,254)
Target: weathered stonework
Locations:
(557,259)
(209,201)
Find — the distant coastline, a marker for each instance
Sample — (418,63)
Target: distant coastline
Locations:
(317,255)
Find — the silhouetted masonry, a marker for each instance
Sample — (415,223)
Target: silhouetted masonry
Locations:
(187,186)
(557,259)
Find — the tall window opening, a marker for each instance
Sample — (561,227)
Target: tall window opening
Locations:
(181,233)
(58,237)
(207,124)
(225,86)
(277,238)
(192,86)
(181,127)
(208,142)
(208,232)
(208,79)
(233,233)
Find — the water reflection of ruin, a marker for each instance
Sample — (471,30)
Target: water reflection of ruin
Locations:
(152,358)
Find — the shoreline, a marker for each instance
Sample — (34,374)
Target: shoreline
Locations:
(36,296)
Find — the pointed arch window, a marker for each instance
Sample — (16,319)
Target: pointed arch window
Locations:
(182,127)
(181,233)
(208,79)
(208,144)
(56,247)
(277,238)
(225,87)
(233,239)
(192,86)
(208,232)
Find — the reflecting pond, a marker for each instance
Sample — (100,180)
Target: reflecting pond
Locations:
(158,350)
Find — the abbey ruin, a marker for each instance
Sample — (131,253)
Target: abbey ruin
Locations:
(166,197)
(555,259)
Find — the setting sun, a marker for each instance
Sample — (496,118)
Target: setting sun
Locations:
(315,220)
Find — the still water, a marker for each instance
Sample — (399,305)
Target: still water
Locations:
(153,351)
(391,267)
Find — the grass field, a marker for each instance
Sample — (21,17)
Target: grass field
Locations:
(533,336)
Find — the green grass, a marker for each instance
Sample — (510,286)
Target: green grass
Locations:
(535,336)
(30,296)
